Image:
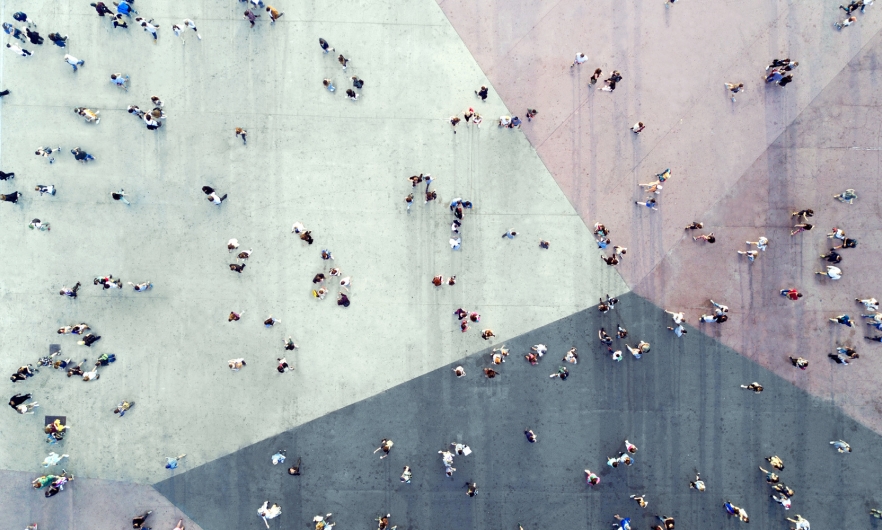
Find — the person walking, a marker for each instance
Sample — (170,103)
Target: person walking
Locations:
(274,14)
(791,294)
(734,89)
(580,59)
(344,62)
(845,320)
(19,50)
(832,272)
(649,203)
(192,25)
(325,46)
(240,132)
(638,127)
(251,17)
(482,92)
(120,196)
(762,243)
(73,61)
(706,237)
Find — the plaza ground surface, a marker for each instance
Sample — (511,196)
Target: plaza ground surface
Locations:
(381,368)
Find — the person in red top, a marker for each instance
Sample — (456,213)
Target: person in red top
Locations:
(792,294)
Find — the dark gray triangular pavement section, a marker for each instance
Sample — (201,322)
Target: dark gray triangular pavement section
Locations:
(681,404)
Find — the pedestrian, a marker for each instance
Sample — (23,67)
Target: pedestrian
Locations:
(240,132)
(385,446)
(118,21)
(236,364)
(359,83)
(531,113)
(544,244)
(270,322)
(487,334)
(19,50)
(706,237)
(453,120)
(138,522)
(482,92)
(679,331)
(121,408)
(846,243)
(638,351)
(845,320)
(269,512)
(141,287)
(762,243)
(783,501)
(791,294)
(756,387)
(611,261)
(34,37)
(81,156)
(580,58)
(637,127)
(697,484)
(652,187)
(803,214)
(490,373)
(853,6)
(666,520)
(776,463)
(6,176)
(695,226)
(325,46)
(36,224)
(101,8)
(354,97)
(274,14)
(10,197)
(531,436)
(53,460)
(624,523)
(212,196)
(149,27)
(120,80)
(832,256)
(251,17)
(751,254)
(640,500)
(472,488)
(870,303)
(800,522)
(845,23)
(72,293)
(649,203)
(23,17)
(734,89)
(832,272)
(50,189)
(595,76)
(847,196)
(802,227)
(343,61)
(510,234)
(192,25)
(841,446)
(120,196)
(591,478)
(837,233)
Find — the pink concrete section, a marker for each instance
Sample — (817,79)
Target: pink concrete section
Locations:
(674,62)
(739,167)
(85,504)
(835,144)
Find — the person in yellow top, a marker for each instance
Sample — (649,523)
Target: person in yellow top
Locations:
(274,14)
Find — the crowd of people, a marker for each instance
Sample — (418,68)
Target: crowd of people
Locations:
(779,72)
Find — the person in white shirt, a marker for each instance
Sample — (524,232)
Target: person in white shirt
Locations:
(73,61)
(580,58)
(19,50)
(834,273)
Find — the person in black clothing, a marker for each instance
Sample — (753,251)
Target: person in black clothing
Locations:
(357,83)
(6,176)
(482,93)
(10,197)
(34,37)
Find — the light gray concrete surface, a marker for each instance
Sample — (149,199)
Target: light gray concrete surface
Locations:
(84,504)
(340,167)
